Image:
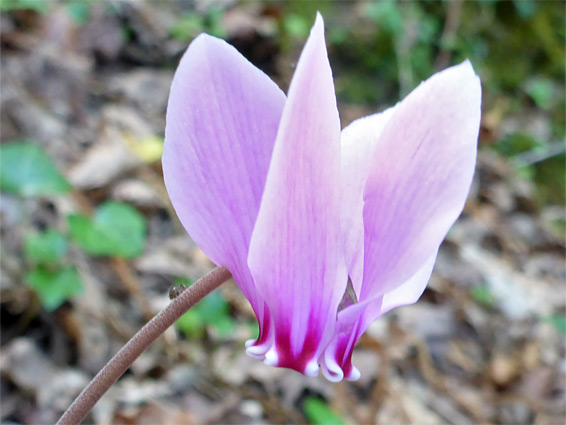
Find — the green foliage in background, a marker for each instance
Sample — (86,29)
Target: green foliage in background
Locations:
(297,26)
(46,247)
(54,287)
(40,6)
(253,328)
(25,169)
(385,49)
(212,312)
(483,295)
(79,10)
(558,321)
(52,280)
(117,229)
(190,24)
(318,412)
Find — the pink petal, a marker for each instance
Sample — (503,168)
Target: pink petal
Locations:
(424,163)
(419,177)
(409,291)
(336,362)
(296,247)
(222,121)
(358,142)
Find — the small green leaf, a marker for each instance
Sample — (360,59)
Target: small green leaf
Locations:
(40,6)
(46,247)
(191,324)
(318,412)
(187,26)
(79,10)
(213,311)
(223,325)
(54,287)
(190,24)
(525,9)
(296,25)
(213,22)
(516,143)
(558,321)
(184,281)
(27,170)
(483,295)
(116,230)
(387,15)
(542,91)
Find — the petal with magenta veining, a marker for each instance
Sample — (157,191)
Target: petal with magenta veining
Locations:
(296,255)
(222,120)
(424,163)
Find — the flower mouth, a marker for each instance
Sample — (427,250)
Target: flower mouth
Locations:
(349,298)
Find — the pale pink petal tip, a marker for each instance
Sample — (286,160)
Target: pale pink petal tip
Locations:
(271,358)
(258,351)
(330,369)
(311,369)
(354,374)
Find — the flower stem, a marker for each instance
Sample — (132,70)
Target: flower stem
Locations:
(116,367)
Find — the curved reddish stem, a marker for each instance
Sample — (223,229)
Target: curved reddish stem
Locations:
(139,342)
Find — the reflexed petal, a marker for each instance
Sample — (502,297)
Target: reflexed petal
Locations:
(425,161)
(358,142)
(353,321)
(296,255)
(336,361)
(222,121)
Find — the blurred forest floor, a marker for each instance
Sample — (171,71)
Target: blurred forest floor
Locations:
(89,252)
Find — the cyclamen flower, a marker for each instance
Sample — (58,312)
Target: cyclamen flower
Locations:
(269,187)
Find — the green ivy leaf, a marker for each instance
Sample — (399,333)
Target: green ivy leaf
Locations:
(27,170)
(44,248)
(318,412)
(116,230)
(54,287)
